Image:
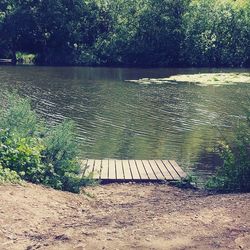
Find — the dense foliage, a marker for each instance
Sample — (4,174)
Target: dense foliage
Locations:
(9,176)
(234,174)
(217,33)
(127,32)
(33,152)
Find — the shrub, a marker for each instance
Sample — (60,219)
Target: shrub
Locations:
(36,153)
(23,155)
(234,174)
(8,176)
(17,116)
(60,155)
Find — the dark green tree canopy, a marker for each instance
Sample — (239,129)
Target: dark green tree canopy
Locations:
(128,32)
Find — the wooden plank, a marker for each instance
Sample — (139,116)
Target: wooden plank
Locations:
(5,60)
(97,169)
(133,167)
(163,170)
(180,172)
(112,170)
(141,170)
(105,170)
(149,170)
(119,170)
(156,170)
(127,171)
(90,167)
(171,170)
(83,167)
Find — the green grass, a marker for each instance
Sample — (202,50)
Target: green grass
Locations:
(234,174)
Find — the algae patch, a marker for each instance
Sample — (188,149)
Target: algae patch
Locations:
(214,79)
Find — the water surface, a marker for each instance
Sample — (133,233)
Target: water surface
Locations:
(118,119)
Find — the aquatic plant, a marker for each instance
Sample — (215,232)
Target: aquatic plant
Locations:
(209,79)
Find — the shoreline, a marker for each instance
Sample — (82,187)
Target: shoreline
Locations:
(122,216)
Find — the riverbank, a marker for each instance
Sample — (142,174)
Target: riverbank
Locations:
(124,216)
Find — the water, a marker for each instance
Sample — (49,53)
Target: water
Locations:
(118,119)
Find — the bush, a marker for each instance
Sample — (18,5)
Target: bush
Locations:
(234,174)
(37,153)
(17,116)
(8,176)
(22,155)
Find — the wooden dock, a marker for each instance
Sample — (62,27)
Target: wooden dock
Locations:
(5,61)
(133,170)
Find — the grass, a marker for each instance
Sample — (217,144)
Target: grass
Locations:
(234,174)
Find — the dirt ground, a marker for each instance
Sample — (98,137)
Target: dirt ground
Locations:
(122,216)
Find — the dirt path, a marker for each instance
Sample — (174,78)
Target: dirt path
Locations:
(124,216)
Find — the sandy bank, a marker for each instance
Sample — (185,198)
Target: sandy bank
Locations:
(127,216)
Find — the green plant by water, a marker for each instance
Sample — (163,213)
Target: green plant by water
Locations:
(234,174)
(32,151)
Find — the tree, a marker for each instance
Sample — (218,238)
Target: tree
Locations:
(58,31)
(159,34)
(128,32)
(18,26)
(216,34)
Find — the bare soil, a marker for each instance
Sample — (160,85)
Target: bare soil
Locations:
(122,216)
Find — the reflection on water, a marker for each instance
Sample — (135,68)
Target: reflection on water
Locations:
(117,119)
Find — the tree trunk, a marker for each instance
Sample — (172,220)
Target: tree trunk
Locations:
(13,59)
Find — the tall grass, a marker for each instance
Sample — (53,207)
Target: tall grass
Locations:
(234,174)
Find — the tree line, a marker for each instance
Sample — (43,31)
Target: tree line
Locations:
(127,32)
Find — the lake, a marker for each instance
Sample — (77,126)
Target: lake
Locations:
(119,119)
